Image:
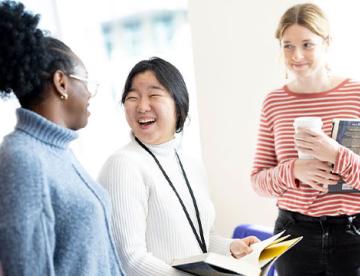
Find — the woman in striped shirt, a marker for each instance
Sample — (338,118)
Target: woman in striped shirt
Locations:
(329,222)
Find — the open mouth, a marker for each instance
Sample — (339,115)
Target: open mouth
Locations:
(146,122)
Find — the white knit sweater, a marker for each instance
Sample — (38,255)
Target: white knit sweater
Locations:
(149,224)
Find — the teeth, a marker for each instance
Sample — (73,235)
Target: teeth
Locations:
(146,121)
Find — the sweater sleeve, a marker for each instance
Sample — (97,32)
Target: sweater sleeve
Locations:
(129,196)
(347,165)
(24,233)
(268,177)
(219,244)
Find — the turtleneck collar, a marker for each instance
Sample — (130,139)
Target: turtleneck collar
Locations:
(43,129)
(164,149)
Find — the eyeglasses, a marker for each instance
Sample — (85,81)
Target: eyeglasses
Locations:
(91,85)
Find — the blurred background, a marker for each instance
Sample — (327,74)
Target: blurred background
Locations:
(229,58)
(111,36)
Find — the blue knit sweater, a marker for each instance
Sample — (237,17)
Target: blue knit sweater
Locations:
(54,219)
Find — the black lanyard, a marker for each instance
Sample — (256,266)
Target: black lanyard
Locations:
(200,239)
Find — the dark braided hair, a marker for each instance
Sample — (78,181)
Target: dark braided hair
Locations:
(28,58)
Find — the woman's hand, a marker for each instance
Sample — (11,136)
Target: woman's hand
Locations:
(315,173)
(241,247)
(318,145)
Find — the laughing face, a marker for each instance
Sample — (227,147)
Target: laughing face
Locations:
(150,110)
(304,51)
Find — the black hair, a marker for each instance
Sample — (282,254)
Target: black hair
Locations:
(169,77)
(28,58)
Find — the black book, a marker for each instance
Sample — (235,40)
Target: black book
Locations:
(347,133)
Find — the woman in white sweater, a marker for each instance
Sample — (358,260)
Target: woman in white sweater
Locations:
(161,206)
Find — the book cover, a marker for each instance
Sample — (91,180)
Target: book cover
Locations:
(256,263)
(347,133)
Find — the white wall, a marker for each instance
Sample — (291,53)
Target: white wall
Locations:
(237,61)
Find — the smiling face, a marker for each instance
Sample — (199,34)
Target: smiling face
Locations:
(150,110)
(304,51)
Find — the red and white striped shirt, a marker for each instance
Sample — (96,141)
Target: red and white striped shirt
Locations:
(273,174)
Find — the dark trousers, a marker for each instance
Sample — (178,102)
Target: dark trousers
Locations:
(330,245)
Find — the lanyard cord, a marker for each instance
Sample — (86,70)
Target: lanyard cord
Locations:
(200,239)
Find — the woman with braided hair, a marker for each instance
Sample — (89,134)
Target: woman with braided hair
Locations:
(54,219)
